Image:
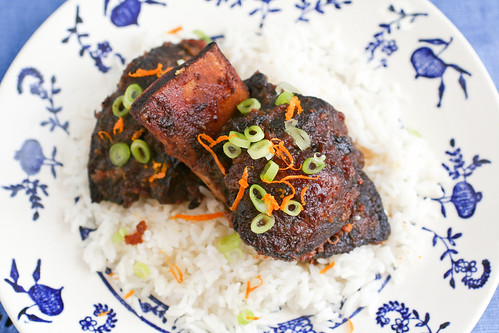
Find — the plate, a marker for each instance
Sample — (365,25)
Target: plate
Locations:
(453,105)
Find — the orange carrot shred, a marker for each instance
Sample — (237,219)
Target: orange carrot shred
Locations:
(118,126)
(294,104)
(208,148)
(158,71)
(158,175)
(138,134)
(350,325)
(327,268)
(175,30)
(250,288)
(104,134)
(335,241)
(177,275)
(200,217)
(103,313)
(299,177)
(220,139)
(347,228)
(271,203)
(302,195)
(129,294)
(243,184)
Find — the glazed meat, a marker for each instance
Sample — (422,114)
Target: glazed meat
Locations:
(163,177)
(341,208)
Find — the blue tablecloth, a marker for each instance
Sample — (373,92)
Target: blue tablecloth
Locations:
(478,20)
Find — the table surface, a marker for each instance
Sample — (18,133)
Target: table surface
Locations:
(478,20)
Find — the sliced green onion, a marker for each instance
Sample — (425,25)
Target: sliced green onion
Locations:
(259,149)
(239,139)
(119,110)
(180,61)
(231,150)
(284,98)
(300,137)
(131,93)
(248,105)
(228,245)
(141,270)
(292,208)
(269,171)
(413,132)
(257,198)
(314,164)
(245,317)
(203,36)
(119,154)
(141,151)
(254,133)
(284,86)
(262,223)
(119,236)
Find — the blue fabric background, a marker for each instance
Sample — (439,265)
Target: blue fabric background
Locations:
(478,20)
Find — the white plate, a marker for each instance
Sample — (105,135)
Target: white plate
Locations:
(45,285)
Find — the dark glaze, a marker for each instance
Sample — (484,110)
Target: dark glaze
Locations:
(128,183)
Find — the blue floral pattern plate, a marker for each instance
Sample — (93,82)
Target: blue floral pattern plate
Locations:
(455,107)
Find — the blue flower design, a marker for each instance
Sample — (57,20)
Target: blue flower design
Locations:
(87,324)
(389,47)
(101,50)
(401,325)
(318,6)
(101,311)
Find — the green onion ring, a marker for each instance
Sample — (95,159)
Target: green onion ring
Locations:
(229,244)
(239,139)
(262,223)
(203,36)
(258,133)
(259,149)
(245,317)
(292,208)
(141,270)
(119,235)
(258,202)
(119,110)
(284,86)
(141,151)
(313,165)
(284,98)
(300,137)
(269,171)
(231,150)
(119,154)
(248,105)
(131,93)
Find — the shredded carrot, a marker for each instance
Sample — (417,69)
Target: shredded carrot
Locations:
(271,203)
(158,71)
(250,288)
(335,241)
(221,138)
(347,228)
(130,293)
(138,134)
(200,217)
(286,198)
(243,184)
(118,126)
(178,274)
(159,173)
(294,104)
(208,148)
(175,30)
(327,268)
(104,134)
(350,325)
(299,177)
(103,313)
(251,318)
(302,195)
(283,153)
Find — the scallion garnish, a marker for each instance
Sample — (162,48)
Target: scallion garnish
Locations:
(141,270)
(300,137)
(231,150)
(119,154)
(119,236)
(141,151)
(292,208)
(229,244)
(119,110)
(248,105)
(245,317)
(257,198)
(269,171)
(239,139)
(284,98)
(131,93)
(262,223)
(203,36)
(260,149)
(254,133)
(314,164)
(284,86)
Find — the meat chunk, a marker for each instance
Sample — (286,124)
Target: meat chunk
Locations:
(164,177)
(197,98)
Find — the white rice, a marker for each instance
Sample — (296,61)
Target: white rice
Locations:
(212,292)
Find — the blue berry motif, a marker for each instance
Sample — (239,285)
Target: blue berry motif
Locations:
(464,197)
(31,158)
(37,88)
(127,12)
(96,323)
(460,266)
(429,65)
(406,318)
(99,52)
(48,300)
(383,45)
